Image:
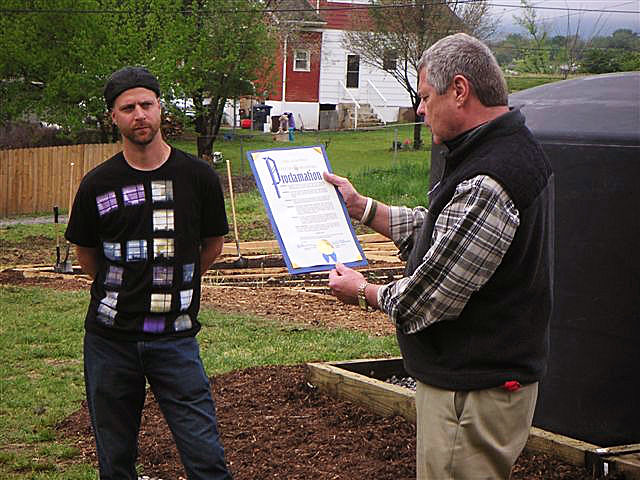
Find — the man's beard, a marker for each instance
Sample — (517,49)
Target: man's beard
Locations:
(142,141)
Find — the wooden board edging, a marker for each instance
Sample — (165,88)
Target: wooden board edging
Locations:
(381,397)
(386,399)
(369,242)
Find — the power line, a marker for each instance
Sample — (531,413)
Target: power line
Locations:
(565,9)
(546,19)
(297,10)
(521,49)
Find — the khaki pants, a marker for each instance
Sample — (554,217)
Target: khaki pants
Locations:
(471,435)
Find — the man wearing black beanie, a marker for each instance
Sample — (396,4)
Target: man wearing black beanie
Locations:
(147,223)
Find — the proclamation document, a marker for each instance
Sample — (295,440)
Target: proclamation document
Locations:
(308,216)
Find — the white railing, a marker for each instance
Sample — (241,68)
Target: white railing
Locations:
(355,102)
(373,106)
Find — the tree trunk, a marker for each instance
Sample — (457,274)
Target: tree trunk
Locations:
(216,127)
(417,128)
(201,122)
(210,127)
(205,146)
(417,136)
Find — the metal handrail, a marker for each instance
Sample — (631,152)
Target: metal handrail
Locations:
(373,106)
(357,105)
(377,91)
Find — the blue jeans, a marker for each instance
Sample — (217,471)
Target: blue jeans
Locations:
(115,374)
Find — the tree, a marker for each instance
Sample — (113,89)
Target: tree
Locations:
(56,62)
(624,39)
(507,51)
(600,60)
(536,57)
(597,60)
(574,45)
(474,18)
(55,59)
(39,63)
(401,31)
(210,51)
(618,52)
(629,61)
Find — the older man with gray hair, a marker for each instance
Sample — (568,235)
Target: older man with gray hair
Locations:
(472,310)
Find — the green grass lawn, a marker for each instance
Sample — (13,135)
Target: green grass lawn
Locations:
(41,379)
(348,151)
(402,183)
(19,232)
(522,82)
(366,157)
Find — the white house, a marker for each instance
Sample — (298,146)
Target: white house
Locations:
(322,77)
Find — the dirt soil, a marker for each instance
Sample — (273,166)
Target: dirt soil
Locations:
(273,423)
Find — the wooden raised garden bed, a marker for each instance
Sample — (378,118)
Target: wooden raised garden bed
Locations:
(364,382)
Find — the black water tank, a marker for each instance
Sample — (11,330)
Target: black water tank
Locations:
(590,129)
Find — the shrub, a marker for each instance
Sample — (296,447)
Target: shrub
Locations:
(28,135)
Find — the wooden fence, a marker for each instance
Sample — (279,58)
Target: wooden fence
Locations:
(35,179)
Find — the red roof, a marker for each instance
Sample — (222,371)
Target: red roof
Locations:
(343,15)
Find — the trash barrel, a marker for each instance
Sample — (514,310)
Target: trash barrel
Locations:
(261,113)
(589,128)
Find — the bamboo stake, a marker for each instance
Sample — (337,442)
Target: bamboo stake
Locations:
(71,184)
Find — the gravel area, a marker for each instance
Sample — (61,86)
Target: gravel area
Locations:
(406,382)
(7,221)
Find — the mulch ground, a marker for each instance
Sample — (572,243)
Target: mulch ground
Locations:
(275,425)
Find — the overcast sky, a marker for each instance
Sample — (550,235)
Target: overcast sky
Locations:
(591,23)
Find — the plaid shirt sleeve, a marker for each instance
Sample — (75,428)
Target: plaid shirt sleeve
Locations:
(470,237)
(404,223)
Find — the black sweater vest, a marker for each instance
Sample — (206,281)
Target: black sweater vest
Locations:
(502,333)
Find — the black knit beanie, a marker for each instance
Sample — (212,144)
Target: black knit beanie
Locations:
(126,78)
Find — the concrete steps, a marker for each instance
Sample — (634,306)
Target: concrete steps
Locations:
(366,116)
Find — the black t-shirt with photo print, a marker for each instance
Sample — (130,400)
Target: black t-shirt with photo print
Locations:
(147,227)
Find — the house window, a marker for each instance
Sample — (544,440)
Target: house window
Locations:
(301,61)
(353,71)
(389,60)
